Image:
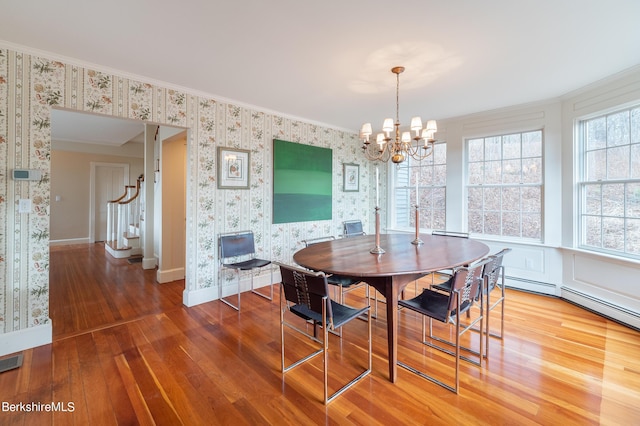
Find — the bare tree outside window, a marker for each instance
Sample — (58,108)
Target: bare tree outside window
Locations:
(609,202)
(504,185)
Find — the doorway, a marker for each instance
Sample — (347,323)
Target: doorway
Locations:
(171,198)
(101,168)
(108,181)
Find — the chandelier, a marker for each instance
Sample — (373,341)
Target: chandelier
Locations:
(395,146)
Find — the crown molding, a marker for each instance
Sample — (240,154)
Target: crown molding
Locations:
(163,84)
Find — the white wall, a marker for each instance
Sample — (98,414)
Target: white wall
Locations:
(606,284)
(534,267)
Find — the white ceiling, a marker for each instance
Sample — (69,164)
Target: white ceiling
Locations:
(68,126)
(329,61)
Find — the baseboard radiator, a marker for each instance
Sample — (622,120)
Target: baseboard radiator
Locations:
(532,286)
(602,307)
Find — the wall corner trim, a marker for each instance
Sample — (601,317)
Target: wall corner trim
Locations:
(197,297)
(27,338)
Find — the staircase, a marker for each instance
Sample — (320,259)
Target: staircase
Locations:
(123,222)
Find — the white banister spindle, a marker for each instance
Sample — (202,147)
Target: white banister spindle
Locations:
(109,222)
(120,232)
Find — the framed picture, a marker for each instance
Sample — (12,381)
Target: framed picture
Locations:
(351,176)
(233,168)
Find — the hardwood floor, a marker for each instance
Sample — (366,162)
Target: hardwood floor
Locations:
(89,289)
(127,352)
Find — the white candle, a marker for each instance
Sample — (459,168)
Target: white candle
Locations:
(377,183)
(417,197)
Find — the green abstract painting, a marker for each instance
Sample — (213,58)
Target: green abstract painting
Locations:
(302,182)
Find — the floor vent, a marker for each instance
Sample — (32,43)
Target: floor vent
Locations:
(10,363)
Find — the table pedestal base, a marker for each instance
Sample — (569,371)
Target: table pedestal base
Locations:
(391,288)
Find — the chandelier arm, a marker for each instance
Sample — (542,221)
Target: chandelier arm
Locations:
(375,154)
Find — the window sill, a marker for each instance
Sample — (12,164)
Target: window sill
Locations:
(520,241)
(598,255)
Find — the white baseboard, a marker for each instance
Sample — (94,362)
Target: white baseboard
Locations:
(69,242)
(168,275)
(603,307)
(259,281)
(196,297)
(149,263)
(530,285)
(28,338)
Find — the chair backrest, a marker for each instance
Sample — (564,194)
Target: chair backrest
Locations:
(312,241)
(352,228)
(236,244)
(450,233)
(491,270)
(306,288)
(466,282)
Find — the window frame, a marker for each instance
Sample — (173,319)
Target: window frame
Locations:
(582,182)
(502,184)
(409,163)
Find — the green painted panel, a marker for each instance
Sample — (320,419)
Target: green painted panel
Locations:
(302,182)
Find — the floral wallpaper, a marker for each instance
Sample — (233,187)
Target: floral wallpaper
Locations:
(30,86)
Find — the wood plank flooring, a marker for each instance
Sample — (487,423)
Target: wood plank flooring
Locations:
(126,351)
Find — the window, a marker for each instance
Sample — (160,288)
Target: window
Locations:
(504,186)
(609,184)
(431,173)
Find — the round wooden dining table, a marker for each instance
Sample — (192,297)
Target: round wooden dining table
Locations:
(390,272)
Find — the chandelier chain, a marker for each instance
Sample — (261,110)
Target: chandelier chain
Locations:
(397,100)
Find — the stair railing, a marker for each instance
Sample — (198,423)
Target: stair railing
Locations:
(123,216)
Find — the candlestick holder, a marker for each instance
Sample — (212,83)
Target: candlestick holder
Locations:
(417,240)
(377,249)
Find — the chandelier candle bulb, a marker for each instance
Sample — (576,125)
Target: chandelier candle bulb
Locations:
(416,125)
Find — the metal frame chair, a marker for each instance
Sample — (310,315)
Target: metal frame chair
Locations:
(493,273)
(306,295)
(237,251)
(345,284)
(445,273)
(466,289)
(352,228)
